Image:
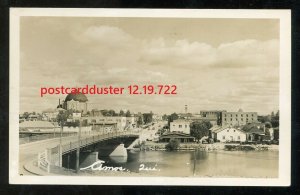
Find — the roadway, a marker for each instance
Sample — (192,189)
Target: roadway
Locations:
(29,151)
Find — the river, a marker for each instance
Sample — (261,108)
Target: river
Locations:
(254,164)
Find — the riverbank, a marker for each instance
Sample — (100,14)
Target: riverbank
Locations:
(154,146)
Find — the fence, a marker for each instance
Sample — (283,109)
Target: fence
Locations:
(92,139)
(43,161)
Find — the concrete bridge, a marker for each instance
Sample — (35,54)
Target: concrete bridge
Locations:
(65,154)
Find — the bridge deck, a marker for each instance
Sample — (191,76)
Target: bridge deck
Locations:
(93,139)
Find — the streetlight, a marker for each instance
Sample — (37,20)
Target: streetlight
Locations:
(60,138)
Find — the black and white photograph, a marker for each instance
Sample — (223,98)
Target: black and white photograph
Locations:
(142,97)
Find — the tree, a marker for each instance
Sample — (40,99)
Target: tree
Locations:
(140,120)
(172,117)
(164,117)
(26,115)
(147,118)
(112,113)
(121,113)
(200,129)
(268,125)
(275,119)
(272,114)
(128,113)
(104,112)
(173,144)
(62,116)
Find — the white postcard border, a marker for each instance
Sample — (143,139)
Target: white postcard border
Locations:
(285,96)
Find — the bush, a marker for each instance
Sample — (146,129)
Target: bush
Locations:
(173,144)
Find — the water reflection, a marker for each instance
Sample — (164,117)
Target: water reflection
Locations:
(118,159)
(202,163)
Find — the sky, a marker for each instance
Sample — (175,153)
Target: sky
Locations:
(216,64)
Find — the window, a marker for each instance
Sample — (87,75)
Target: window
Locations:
(225,119)
(223,137)
(180,126)
(227,130)
(236,115)
(239,137)
(225,115)
(241,115)
(242,119)
(231,119)
(185,126)
(246,115)
(233,130)
(252,115)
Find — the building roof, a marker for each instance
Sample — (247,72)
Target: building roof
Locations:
(181,120)
(175,134)
(218,129)
(215,128)
(36,124)
(227,128)
(76,97)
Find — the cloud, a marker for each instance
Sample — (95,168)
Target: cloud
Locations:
(242,73)
(109,37)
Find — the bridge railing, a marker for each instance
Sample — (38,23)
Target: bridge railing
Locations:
(88,140)
(43,160)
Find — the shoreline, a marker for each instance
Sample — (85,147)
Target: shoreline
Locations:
(153,146)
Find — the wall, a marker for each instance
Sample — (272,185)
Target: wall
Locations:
(182,126)
(238,118)
(76,129)
(231,132)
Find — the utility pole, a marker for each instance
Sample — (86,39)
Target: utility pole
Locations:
(194,169)
(78,148)
(60,143)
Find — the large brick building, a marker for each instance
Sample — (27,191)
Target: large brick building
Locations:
(238,118)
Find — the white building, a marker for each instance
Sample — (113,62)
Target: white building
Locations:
(37,126)
(131,122)
(180,125)
(99,122)
(224,134)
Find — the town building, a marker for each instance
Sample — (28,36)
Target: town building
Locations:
(111,122)
(182,137)
(180,125)
(37,126)
(101,122)
(96,112)
(50,115)
(76,102)
(236,119)
(228,134)
(156,117)
(199,118)
(215,116)
(34,117)
(255,131)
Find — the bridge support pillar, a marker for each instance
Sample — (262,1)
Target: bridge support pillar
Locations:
(88,159)
(119,151)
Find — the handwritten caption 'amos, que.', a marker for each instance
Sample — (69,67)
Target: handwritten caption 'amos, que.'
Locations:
(98,166)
